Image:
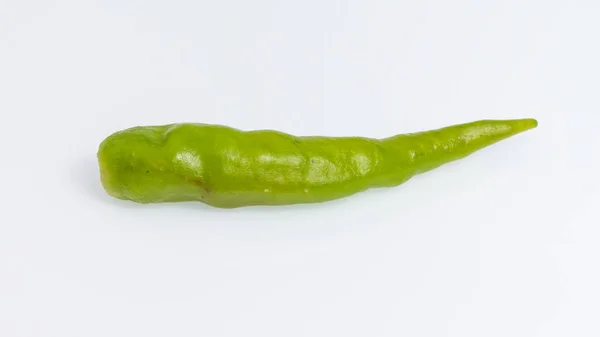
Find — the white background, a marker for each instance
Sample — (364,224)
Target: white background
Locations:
(503,243)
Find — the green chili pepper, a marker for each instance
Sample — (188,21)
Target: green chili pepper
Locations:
(227,168)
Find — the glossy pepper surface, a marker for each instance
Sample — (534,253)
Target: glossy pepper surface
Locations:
(226,167)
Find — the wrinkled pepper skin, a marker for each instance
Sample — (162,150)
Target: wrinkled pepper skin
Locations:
(227,168)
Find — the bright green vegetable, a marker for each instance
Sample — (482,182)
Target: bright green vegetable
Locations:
(227,168)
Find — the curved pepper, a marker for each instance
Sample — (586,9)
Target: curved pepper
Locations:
(227,168)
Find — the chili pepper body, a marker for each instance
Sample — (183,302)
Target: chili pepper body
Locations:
(227,168)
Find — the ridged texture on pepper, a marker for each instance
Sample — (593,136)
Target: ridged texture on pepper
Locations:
(227,168)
